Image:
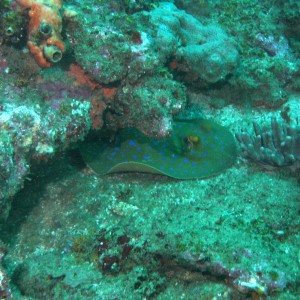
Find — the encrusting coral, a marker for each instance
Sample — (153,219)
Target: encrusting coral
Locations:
(44,30)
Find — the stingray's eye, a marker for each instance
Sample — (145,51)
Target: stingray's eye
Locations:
(45,30)
(191,141)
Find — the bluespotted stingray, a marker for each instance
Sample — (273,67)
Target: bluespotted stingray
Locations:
(195,149)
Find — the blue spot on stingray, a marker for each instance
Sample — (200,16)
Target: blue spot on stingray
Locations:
(131,143)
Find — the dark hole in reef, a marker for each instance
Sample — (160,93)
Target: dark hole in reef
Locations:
(57,56)
(45,29)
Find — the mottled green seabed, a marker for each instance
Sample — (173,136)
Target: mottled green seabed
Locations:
(132,236)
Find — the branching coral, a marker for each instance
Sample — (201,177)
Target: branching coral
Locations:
(277,145)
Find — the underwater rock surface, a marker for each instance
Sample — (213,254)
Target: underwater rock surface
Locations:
(133,236)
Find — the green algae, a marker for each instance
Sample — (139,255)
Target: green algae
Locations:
(195,149)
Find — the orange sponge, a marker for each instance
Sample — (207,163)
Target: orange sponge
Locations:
(44,30)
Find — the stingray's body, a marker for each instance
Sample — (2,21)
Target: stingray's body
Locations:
(195,149)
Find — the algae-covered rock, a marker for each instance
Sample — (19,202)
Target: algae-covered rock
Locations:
(205,52)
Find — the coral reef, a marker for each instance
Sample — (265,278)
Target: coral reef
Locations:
(266,35)
(11,23)
(147,95)
(203,54)
(277,145)
(98,70)
(148,106)
(27,134)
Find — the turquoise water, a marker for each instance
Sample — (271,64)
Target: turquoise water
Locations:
(194,108)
